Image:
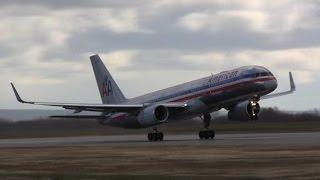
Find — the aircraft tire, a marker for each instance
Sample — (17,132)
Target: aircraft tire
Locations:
(201,136)
(154,137)
(158,136)
(150,136)
(209,134)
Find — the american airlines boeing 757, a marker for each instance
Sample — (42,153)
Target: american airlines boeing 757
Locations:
(238,91)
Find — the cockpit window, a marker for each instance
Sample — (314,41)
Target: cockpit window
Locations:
(264,74)
(256,74)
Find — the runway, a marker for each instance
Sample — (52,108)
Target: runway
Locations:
(221,140)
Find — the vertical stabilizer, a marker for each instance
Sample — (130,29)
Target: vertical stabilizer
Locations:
(109,91)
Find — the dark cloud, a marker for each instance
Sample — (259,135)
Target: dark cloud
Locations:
(228,39)
(155,60)
(62,4)
(235,34)
(155,35)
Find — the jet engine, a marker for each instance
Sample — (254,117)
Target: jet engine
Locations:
(153,115)
(248,110)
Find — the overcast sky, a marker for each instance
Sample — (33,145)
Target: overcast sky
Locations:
(148,45)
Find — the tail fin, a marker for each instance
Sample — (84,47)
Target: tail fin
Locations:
(109,91)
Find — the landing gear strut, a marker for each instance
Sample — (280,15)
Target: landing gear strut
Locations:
(206,134)
(254,108)
(155,135)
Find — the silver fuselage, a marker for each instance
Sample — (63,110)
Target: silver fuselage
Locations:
(204,95)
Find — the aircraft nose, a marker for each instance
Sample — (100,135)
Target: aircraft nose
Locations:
(271,85)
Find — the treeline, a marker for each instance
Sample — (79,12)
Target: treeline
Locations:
(52,128)
(273,114)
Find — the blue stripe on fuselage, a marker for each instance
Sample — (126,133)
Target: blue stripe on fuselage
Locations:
(204,87)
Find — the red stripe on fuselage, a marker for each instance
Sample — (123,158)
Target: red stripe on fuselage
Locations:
(214,91)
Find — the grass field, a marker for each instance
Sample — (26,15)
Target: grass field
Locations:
(160,162)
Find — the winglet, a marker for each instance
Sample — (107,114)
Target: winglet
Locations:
(17,94)
(292,84)
(292,89)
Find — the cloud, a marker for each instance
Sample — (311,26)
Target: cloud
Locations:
(48,43)
(70,4)
(36,46)
(118,59)
(196,21)
(201,21)
(257,20)
(303,62)
(280,62)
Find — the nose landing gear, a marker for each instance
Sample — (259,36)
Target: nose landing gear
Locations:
(206,134)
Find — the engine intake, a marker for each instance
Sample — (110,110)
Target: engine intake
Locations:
(161,113)
(245,111)
(153,115)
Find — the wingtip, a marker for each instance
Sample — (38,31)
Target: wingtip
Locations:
(292,83)
(16,93)
(94,56)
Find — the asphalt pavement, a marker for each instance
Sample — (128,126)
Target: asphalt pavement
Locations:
(221,140)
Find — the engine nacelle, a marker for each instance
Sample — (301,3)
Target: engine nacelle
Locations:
(245,111)
(153,115)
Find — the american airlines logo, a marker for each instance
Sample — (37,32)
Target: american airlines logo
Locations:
(106,87)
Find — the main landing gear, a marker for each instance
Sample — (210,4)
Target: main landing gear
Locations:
(206,134)
(155,135)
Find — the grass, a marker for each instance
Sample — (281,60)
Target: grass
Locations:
(57,176)
(161,162)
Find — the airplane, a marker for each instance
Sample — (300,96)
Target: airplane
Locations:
(238,91)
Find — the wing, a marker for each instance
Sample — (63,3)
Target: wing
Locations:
(292,89)
(96,107)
